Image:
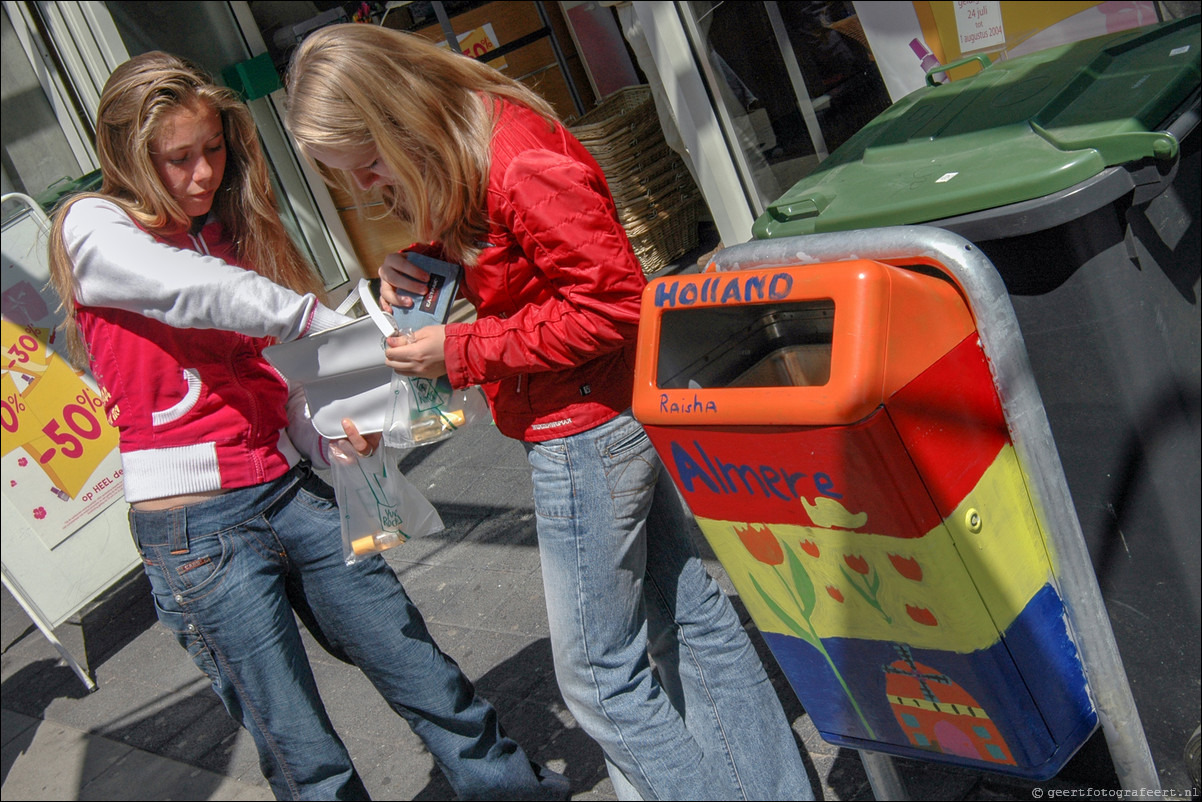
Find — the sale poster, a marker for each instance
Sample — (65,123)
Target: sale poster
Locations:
(476,43)
(59,455)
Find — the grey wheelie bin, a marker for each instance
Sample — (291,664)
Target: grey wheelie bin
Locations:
(1075,171)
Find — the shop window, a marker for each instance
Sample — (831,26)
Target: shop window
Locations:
(795,80)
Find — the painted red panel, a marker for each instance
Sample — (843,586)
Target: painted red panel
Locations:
(951,423)
(760,475)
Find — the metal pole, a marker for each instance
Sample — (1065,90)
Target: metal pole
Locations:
(559,58)
(883,777)
(44,625)
(448,31)
(1002,342)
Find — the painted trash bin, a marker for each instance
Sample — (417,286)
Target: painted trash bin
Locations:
(844,444)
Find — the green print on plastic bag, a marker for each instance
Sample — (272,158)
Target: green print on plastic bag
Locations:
(430,394)
(388,513)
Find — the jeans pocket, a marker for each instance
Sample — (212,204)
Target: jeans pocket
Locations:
(553,482)
(631,469)
(555,451)
(629,439)
(190,575)
(316,493)
(187,636)
(203,566)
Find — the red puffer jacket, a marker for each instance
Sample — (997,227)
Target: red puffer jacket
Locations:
(557,290)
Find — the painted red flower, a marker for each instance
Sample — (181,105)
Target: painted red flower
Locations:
(22,462)
(762,544)
(857,563)
(835,593)
(810,548)
(39,513)
(922,615)
(907,567)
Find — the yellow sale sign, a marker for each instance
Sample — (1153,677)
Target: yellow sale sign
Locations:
(59,458)
(477,42)
(75,437)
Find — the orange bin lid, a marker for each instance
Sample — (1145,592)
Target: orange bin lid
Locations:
(890,324)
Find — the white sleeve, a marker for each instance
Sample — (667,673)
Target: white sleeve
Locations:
(301,430)
(119,265)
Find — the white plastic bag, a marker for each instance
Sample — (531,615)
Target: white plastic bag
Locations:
(380,508)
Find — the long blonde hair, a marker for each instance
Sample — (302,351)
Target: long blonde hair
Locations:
(133,105)
(429,112)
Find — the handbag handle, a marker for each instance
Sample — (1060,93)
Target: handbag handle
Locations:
(385,323)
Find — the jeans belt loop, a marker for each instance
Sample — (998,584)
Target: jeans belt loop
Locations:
(178,530)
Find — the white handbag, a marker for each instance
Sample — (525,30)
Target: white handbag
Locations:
(342,369)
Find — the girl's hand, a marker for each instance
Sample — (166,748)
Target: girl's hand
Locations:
(419,354)
(399,276)
(364,444)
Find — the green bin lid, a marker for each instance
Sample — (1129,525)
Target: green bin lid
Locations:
(64,188)
(1017,130)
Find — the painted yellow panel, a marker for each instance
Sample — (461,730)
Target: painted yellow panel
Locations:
(1008,556)
(953,589)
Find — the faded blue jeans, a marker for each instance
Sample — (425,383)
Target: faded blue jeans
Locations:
(227,574)
(624,581)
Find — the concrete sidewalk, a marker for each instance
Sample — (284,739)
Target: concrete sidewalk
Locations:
(48,760)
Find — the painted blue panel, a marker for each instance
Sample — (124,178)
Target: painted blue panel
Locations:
(1048,769)
(1030,684)
(1039,642)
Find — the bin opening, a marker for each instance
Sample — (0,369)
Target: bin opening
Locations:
(755,345)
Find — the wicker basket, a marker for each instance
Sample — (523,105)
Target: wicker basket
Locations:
(658,202)
(853,29)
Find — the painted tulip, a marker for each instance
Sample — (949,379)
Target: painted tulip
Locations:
(922,615)
(835,593)
(907,567)
(857,564)
(762,544)
(810,548)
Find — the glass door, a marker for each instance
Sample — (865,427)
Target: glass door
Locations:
(90,39)
(46,141)
(790,82)
(761,93)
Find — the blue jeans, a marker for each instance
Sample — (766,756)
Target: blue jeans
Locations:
(624,583)
(227,574)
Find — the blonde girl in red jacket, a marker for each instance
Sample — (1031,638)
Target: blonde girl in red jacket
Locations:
(174,277)
(479,167)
